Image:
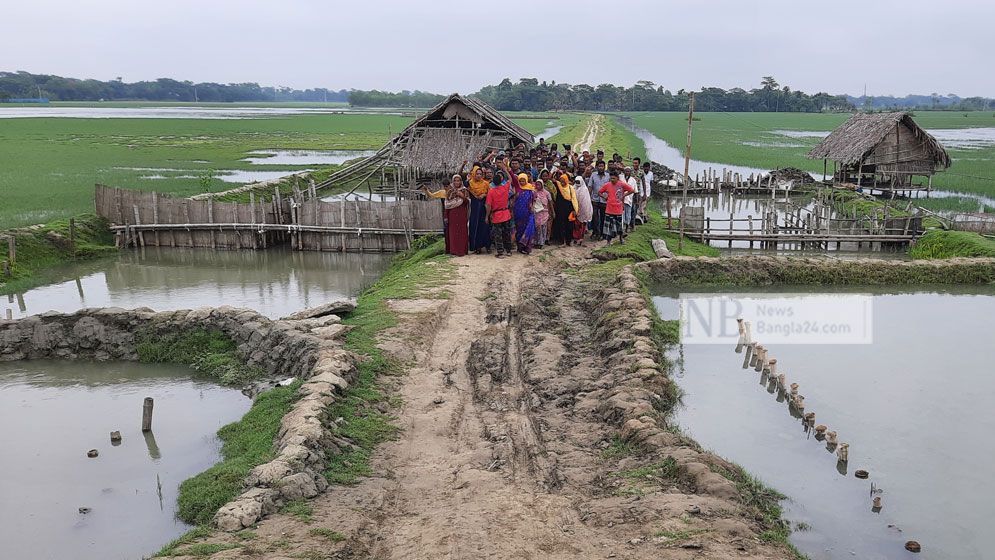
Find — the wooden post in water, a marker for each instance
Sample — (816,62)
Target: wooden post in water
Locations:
(147,414)
(6,269)
(11,250)
(10,314)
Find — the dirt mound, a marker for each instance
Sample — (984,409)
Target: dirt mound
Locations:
(662,173)
(789,174)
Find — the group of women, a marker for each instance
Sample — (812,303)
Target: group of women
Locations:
(502,204)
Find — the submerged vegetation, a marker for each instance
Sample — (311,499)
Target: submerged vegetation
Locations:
(210,352)
(42,247)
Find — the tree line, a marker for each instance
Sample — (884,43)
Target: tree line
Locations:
(529,94)
(17,85)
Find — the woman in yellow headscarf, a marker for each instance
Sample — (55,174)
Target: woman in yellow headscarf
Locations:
(525,225)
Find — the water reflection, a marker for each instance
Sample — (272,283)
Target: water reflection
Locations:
(53,412)
(274,282)
(927,447)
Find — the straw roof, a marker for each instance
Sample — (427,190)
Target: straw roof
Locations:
(473,110)
(855,139)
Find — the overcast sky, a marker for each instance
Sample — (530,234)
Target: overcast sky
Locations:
(894,47)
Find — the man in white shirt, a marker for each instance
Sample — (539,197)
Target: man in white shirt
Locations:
(647,190)
(628,215)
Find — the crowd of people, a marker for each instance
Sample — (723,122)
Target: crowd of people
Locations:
(533,197)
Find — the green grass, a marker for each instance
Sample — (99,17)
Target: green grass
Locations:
(750,139)
(301,509)
(210,352)
(329,534)
(203,550)
(612,136)
(764,503)
(638,244)
(666,469)
(245,444)
(619,448)
(940,244)
(184,539)
(51,164)
(48,246)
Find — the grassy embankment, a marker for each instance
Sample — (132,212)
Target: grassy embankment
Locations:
(46,247)
(610,136)
(761,500)
(939,244)
(249,442)
(753,139)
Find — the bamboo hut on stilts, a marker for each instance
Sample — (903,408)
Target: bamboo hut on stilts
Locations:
(884,152)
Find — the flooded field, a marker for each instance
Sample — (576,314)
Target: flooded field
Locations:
(175,112)
(661,152)
(305,157)
(912,405)
(54,412)
(275,282)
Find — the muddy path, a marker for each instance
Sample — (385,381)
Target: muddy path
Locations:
(595,127)
(505,448)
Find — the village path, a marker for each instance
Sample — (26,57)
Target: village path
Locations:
(500,453)
(595,124)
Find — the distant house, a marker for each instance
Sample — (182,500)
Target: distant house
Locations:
(433,147)
(883,151)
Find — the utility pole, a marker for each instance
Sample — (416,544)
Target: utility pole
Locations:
(687,171)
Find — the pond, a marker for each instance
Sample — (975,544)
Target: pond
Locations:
(274,282)
(53,412)
(913,405)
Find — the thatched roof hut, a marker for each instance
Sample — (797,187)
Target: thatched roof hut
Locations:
(433,146)
(886,149)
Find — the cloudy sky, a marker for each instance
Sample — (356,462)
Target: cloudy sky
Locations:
(892,47)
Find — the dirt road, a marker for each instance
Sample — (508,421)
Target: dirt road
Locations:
(507,449)
(595,125)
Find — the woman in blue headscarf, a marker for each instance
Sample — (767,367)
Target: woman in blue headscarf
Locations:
(525,226)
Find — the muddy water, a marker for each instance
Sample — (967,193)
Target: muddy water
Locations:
(51,413)
(274,282)
(914,407)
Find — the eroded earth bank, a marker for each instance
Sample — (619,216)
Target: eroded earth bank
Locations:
(531,413)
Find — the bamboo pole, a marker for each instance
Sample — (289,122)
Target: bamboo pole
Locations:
(687,168)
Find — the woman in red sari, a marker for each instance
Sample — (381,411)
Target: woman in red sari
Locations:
(456,217)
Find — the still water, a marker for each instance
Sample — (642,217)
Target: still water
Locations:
(53,412)
(914,406)
(274,282)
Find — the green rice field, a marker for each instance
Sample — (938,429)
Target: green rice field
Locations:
(51,164)
(771,140)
